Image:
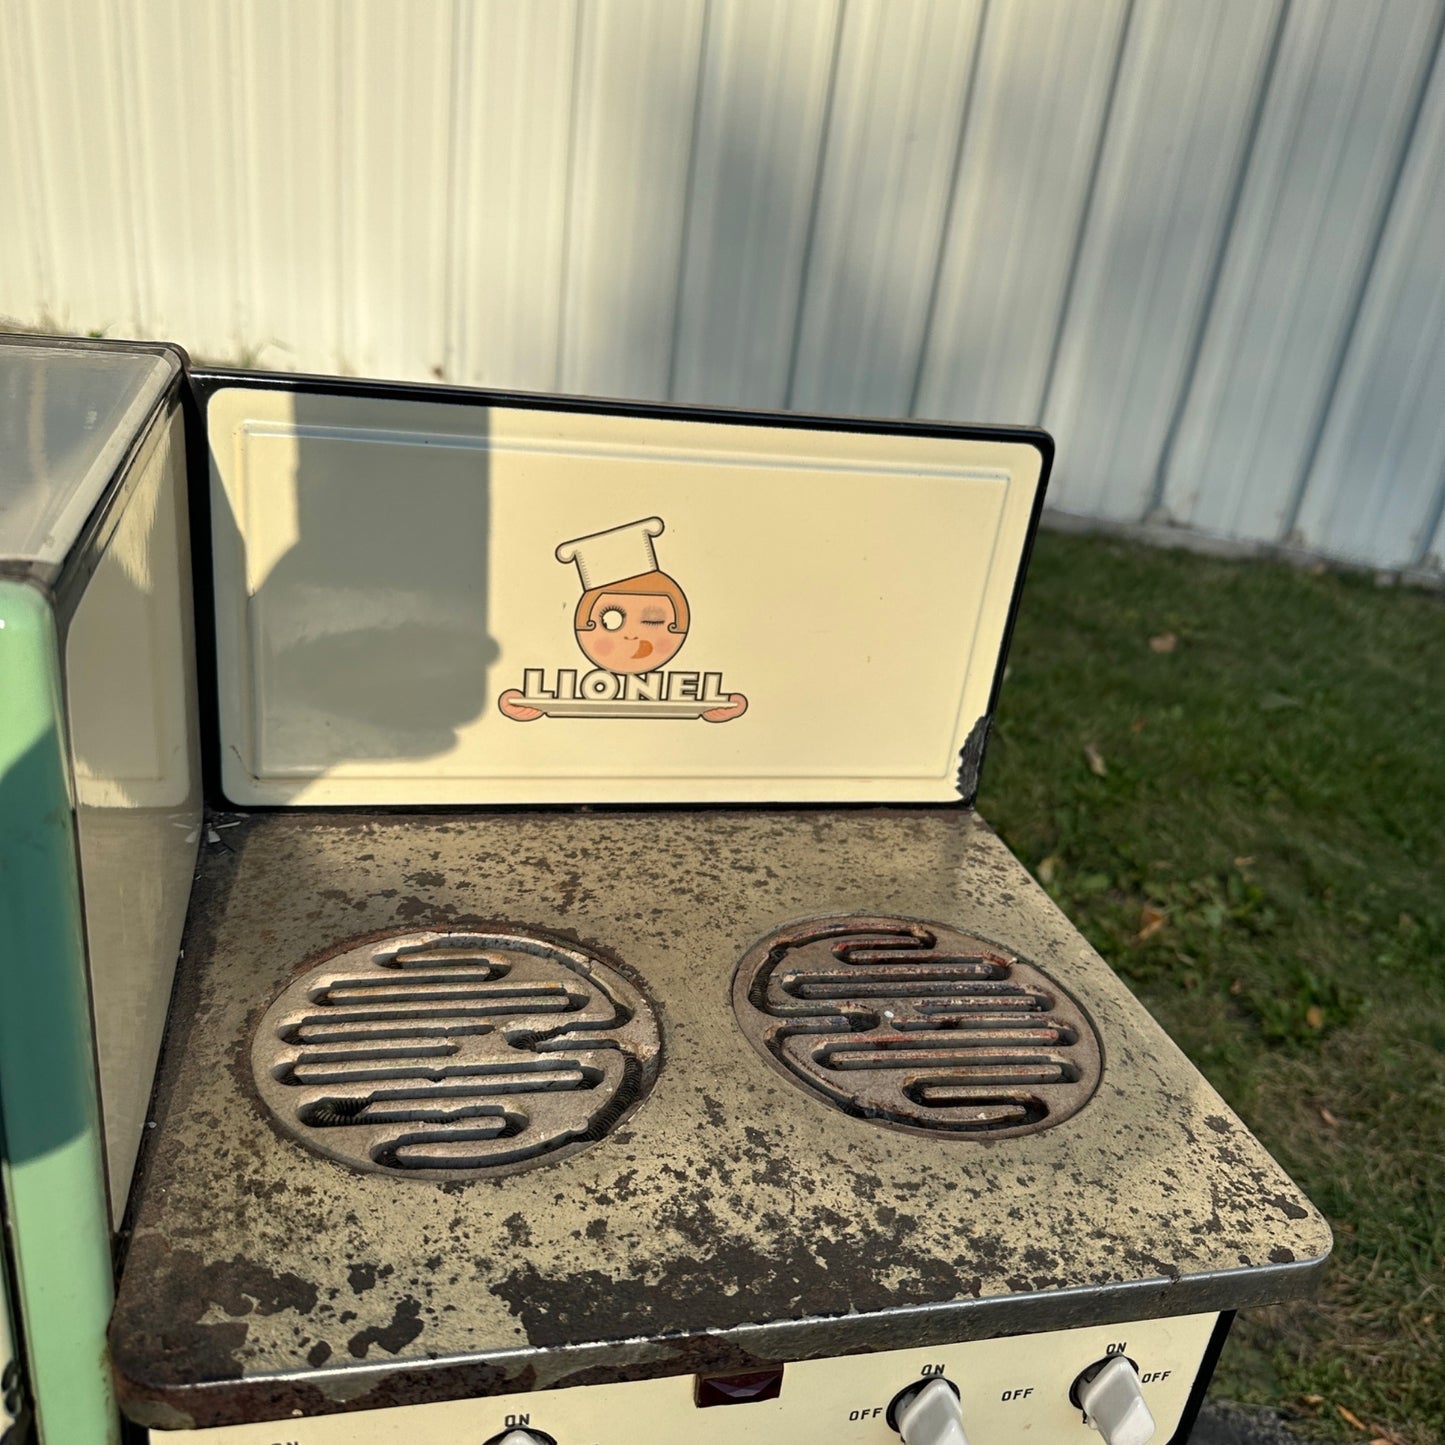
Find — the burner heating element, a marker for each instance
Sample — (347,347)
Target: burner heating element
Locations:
(918,1026)
(455,1054)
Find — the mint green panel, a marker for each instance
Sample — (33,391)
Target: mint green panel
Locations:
(53,1174)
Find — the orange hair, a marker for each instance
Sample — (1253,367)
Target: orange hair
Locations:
(645,584)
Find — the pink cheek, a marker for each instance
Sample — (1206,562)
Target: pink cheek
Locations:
(602,645)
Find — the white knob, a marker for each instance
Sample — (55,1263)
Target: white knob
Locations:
(1113,1403)
(932,1417)
(520,1437)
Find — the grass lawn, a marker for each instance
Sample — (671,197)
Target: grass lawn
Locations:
(1231,775)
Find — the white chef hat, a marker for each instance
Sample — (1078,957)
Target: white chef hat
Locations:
(614,555)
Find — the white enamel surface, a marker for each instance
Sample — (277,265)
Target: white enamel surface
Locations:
(386,571)
(1011,1390)
(67,417)
(131,705)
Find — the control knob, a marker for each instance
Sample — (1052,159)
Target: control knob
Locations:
(931,1416)
(1112,1400)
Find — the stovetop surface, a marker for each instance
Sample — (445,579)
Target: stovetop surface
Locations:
(734,1217)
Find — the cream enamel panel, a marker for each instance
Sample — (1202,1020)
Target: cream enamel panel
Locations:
(386,571)
(1009,1390)
(134,740)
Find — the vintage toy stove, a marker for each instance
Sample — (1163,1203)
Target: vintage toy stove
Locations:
(602,1016)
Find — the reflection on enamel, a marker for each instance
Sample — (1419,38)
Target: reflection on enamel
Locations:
(130,687)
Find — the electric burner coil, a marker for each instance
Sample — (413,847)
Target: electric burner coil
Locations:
(918,1026)
(455,1054)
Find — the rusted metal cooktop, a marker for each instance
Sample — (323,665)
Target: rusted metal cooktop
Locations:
(759,1203)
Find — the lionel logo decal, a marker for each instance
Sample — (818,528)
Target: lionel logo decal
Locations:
(631,622)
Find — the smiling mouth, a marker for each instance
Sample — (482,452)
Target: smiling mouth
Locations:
(644,649)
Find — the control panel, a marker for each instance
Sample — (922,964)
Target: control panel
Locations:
(1122,1384)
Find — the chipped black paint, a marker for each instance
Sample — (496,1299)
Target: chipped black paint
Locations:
(970,760)
(191,1288)
(362,1277)
(404,1327)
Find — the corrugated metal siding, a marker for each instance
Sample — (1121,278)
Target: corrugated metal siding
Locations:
(1203,242)
(1177,134)
(638,70)
(1374,490)
(1341,100)
(1040,97)
(882,200)
(763,107)
(509,147)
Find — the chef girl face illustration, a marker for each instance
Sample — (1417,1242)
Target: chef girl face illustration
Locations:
(632,618)
(637,624)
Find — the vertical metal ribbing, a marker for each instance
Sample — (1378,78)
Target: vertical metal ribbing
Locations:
(456,208)
(704,34)
(1066,296)
(1347,333)
(127,88)
(568,204)
(345,157)
(1216,266)
(964,116)
(824,131)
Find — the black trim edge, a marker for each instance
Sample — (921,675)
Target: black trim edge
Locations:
(203,591)
(1195,1402)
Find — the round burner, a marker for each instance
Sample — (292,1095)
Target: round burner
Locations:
(455,1054)
(918,1026)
